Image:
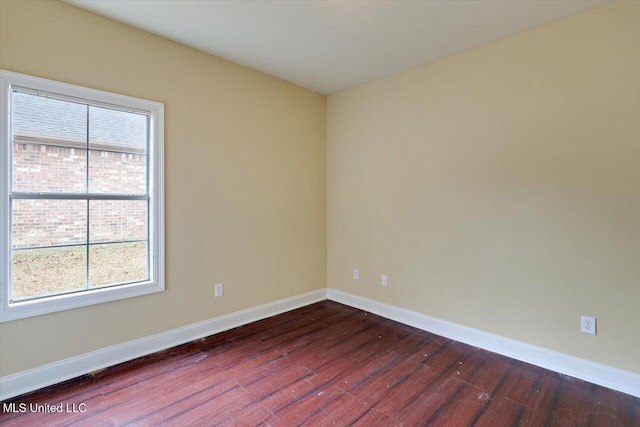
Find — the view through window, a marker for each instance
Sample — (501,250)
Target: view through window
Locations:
(81,205)
(79,190)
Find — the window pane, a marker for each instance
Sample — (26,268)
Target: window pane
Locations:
(46,168)
(117,130)
(113,220)
(117,173)
(117,263)
(38,272)
(49,120)
(48,222)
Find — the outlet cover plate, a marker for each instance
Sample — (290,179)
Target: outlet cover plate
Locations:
(588,325)
(218,290)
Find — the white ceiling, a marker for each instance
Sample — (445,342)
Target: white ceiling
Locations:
(328,46)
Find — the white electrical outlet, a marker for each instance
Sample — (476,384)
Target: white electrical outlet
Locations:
(588,325)
(356,274)
(383,280)
(218,290)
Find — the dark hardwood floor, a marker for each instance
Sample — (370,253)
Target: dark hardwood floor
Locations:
(328,364)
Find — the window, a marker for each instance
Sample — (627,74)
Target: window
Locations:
(81,196)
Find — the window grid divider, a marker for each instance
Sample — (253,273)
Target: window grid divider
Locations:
(76,196)
(75,245)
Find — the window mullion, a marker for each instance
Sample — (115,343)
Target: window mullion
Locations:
(7,261)
(150,252)
(88,201)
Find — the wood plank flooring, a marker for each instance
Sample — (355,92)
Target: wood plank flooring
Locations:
(328,364)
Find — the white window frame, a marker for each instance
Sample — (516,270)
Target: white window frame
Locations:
(28,308)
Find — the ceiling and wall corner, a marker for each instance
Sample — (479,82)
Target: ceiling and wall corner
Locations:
(328,46)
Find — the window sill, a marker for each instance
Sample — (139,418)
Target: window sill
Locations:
(24,309)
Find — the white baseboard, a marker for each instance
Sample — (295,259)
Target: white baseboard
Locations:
(34,379)
(613,378)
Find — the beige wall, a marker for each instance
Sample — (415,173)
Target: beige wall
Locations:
(245,177)
(500,188)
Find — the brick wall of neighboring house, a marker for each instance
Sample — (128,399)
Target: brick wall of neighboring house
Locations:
(62,222)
